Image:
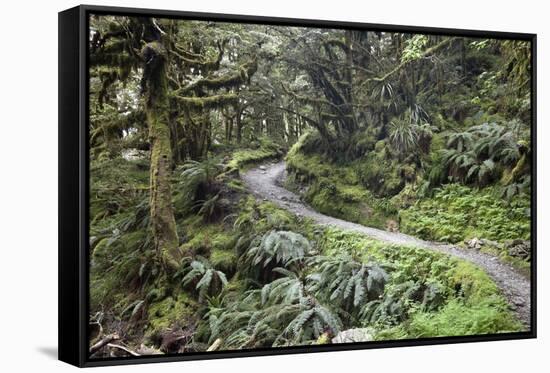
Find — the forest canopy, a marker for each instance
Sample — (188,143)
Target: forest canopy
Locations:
(211,144)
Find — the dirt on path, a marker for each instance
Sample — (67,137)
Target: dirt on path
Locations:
(266,182)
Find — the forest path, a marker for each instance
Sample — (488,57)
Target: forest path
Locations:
(266,182)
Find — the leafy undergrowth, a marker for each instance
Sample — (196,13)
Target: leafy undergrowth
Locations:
(457,212)
(458,298)
(336,189)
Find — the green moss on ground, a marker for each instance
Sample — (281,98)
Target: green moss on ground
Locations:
(169,313)
(204,238)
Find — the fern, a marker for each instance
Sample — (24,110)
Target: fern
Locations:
(346,281)
(278,248)
(200,272)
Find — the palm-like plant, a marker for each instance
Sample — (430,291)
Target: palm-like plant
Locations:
(283,312)
(239,323)
(205,278)
(478,154)
(496,141)
(288,289)
(209,208)
(403,135)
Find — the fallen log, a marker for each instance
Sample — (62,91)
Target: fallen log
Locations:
(125,349)
(104,341)
(217,343)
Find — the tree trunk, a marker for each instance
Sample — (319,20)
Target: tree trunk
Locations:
(157,112)
(239,126)
(230,131)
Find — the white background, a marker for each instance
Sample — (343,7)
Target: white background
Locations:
(28,185)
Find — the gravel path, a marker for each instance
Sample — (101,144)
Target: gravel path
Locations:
(266,183)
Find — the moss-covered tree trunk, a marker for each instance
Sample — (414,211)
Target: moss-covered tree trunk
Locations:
(157,111)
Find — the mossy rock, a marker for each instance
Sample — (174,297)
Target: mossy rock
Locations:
(101,249)
(165,314)
(225,261)
(380,146)
(407,172)
(204,238)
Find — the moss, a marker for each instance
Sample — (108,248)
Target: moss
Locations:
(236,185)
(521,168)
(225,261)
(168,313)
(380,146)
(245,71)
(206,238)
(248,157)
(209,102)
(471,283)
(157,112)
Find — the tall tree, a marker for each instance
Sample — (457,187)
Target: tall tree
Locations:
(155,89)
(120,45)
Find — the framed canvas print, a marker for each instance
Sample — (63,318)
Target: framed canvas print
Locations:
(233,186)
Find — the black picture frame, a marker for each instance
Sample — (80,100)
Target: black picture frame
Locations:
(74,184)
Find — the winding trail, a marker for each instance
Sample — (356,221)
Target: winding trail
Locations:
(266,183)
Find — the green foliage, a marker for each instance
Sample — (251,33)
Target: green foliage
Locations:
(195,173)
(278,248)
(204,279)
(416,133)
(484,153)
(337,189)
(403,135)
(168,313)
(224,260)
(414,48)
(457,212)
(309,322)
(410,131)
(458,319)
(426,290)
(349,282)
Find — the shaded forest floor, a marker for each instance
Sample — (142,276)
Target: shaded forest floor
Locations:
(267,183)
